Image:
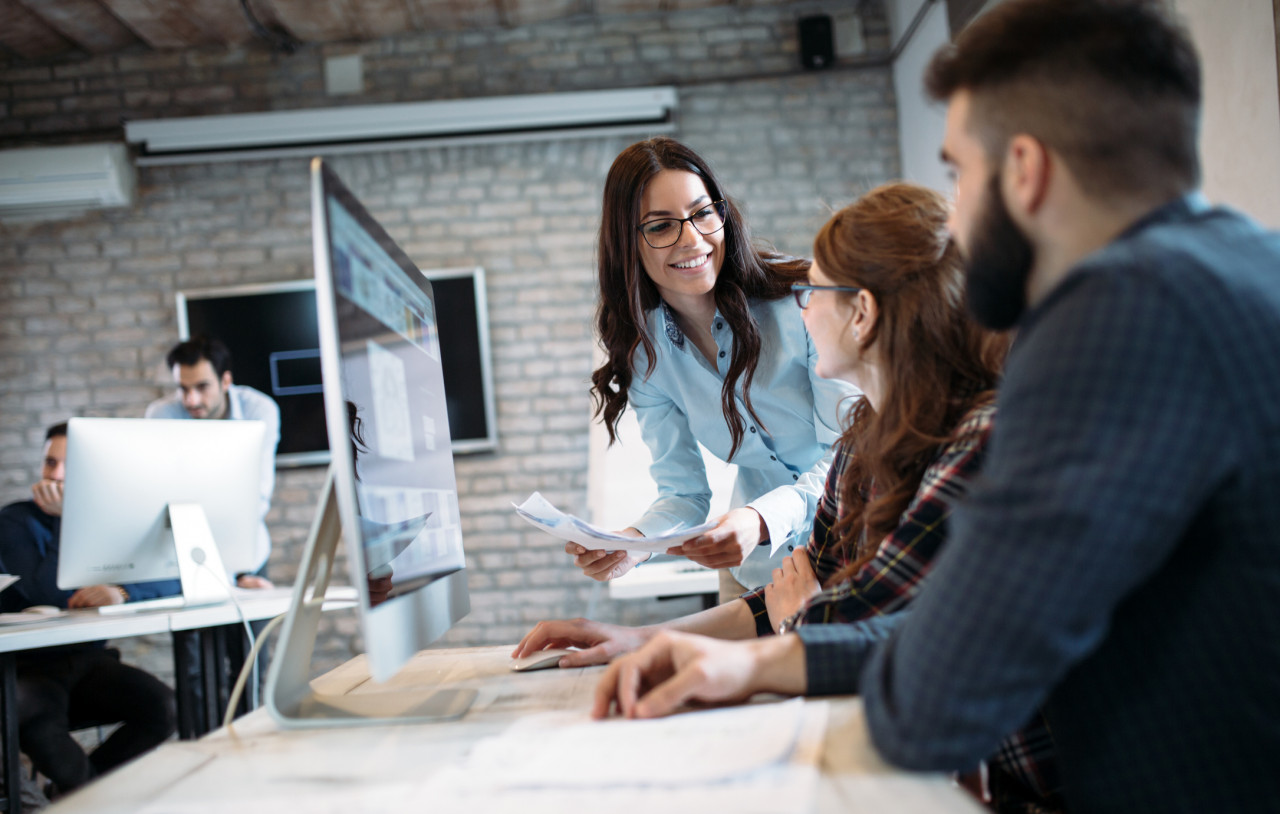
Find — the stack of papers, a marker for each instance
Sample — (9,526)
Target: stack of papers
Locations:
(539,511)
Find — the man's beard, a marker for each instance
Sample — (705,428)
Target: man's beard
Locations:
(997,264)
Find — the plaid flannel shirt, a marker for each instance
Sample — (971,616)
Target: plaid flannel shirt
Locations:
(884,587)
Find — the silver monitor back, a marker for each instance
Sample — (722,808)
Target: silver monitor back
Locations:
(122,475)
(392,495)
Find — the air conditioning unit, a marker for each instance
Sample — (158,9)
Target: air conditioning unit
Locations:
(49,182)
(365,128)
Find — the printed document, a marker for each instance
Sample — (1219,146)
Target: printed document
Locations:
(539,511)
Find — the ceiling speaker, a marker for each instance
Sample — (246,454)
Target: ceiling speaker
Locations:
(817,43)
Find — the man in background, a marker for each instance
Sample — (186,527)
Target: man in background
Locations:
(201,368)
(70,687)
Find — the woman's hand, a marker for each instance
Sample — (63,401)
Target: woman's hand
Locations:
(794,584)
(729,543)
(598,642)
(603,566)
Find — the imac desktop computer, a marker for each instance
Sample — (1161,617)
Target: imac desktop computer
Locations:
(391,493)
(154,499)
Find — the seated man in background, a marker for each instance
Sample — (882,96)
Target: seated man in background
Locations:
(69,687)
(201,369)
(1117,562)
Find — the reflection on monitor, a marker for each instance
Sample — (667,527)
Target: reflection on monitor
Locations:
(124,474)
(391,492)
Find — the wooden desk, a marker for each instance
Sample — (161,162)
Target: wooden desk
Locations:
(255,766)
(221,643)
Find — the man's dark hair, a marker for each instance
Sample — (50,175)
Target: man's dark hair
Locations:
(1113,86)
(58,430)
(197,348)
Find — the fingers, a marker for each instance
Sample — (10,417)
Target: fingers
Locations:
(557,633)
(533,641)
(606,691)
(586,658)
(727,559)
(685,685)
(606,566)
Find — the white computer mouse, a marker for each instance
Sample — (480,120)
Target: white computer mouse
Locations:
(540,660)
(42,610)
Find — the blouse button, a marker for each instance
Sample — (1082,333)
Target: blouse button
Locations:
(795,477)
(773,457)
(753,429)
(721,354)
(791,548)
(719,325)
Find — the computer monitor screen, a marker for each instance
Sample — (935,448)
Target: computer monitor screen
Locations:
(386,409)
(122,475)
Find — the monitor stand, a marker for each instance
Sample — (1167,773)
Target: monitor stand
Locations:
(200,570)
(293,702)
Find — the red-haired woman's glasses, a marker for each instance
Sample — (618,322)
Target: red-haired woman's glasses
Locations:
(660,233)
(803,292)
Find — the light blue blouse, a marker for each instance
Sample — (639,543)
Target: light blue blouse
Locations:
(783,461)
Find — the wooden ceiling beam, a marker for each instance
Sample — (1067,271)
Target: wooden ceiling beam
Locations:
(28,36)
(84,22)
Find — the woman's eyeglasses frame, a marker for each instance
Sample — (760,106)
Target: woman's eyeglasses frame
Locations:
(803,291)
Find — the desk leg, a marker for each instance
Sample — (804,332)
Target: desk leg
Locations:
(210,667)
(12,801)
(186,677)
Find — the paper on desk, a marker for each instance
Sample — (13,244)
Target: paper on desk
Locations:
(754,758)
(539,511)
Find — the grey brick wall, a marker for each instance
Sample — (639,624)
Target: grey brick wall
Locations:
(86,305)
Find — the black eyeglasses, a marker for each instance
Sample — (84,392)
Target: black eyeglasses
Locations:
(803,292)
(660,233)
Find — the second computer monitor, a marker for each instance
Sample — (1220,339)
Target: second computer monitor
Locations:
(123,474)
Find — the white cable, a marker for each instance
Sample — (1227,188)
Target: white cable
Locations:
(252,659)
(244,622)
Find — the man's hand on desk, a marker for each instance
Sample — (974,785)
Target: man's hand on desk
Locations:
(253,582)
(95,596)
(599,642)
(734,537)
(675,668)
(603,566)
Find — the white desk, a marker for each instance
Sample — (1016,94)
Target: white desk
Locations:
(257,766)
(215,625)
(679,577)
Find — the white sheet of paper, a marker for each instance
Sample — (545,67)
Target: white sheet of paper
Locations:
(754,758)
(6,580)
(538,510)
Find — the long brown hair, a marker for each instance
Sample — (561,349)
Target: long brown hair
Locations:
(627,294)
(938,363)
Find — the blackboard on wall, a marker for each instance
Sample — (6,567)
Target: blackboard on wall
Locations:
(271,332)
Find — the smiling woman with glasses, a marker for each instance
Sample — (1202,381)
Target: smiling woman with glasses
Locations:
(693,317)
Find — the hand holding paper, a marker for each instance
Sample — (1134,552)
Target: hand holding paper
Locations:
(538,511)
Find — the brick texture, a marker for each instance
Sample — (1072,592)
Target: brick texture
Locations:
(87,305)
